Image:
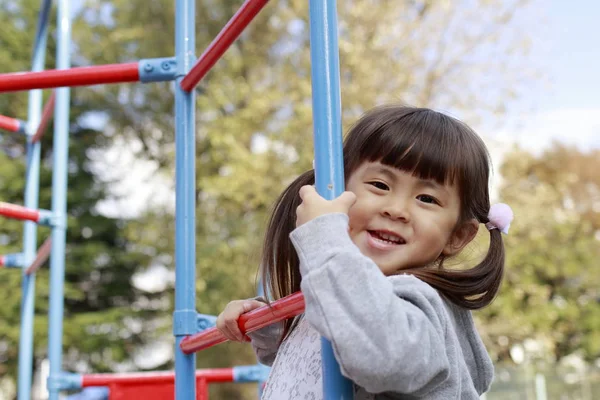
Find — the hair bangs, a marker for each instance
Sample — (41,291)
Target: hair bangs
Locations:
(424,143)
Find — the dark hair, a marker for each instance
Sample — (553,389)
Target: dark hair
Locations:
(429,145)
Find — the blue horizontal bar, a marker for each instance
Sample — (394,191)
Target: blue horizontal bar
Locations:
(47,218)
(206,321)
(15,260)
(250,373)
(65,381)
(91,393)
(23,128)
(157,69)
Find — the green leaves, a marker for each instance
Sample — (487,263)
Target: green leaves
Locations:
(552,283)
(254,134)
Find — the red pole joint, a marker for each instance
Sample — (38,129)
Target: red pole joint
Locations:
(221,43)
(279,310)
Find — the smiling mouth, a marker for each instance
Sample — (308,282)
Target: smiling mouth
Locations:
(387,237)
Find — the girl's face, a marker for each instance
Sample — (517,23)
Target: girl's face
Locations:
(401,221)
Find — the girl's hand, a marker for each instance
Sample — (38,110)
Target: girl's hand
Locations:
(313,205)
(227,321)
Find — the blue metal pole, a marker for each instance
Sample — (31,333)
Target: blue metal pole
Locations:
(59,201)
(184,316)
(329,165)
(34,113)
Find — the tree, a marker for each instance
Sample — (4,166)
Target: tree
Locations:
(552,285)
(104,322)
(254,109)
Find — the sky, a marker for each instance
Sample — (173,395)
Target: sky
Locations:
(568,107)
(575,55)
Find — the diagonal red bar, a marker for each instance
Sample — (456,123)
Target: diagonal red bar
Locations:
(279,310)
(42,256)
(46,115)
(19,212)
(221,43)
(9,124)
(81,76)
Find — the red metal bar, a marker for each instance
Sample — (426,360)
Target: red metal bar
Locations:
(110,73)
(221,43)
(19,212)
(201,389)
(279,310)
(10,124)
(42,256)
(210,375)
(46,115)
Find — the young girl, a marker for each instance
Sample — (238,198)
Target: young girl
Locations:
(371,265)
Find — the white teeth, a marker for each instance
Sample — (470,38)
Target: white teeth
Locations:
(389,237)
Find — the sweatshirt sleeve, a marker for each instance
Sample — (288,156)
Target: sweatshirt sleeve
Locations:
(265,342)
(386,337)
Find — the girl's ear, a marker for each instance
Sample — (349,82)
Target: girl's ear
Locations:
(461,237)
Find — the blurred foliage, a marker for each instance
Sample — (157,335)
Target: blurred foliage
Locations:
(104,325)
(550,302)
(254,134)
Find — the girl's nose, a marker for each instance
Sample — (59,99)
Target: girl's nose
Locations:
(397,210)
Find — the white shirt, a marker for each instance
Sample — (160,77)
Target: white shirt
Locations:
(296,372)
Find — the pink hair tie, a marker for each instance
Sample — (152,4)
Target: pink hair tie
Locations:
(500,217)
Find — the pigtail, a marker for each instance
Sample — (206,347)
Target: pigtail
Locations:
(472,288)
(280,271)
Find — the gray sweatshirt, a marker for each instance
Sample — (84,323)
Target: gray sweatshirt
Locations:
(394,337)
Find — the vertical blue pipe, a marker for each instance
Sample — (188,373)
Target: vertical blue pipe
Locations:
(329,165)
(59,201)
(184,317)
(34,113)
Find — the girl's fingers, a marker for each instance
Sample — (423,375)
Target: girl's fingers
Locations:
(347,199)
(224,320)
(252,304)
(229,335)
(232,326)
(228,332)
(227,321)
(306,190)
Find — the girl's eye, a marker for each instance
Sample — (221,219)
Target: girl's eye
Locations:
(428,199)
(379,185)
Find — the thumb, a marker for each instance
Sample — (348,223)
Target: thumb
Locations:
(307,190)
(347,199)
